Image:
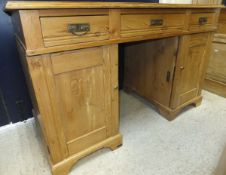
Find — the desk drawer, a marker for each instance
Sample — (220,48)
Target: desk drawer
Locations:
(202,21)
(139,24)
(74,29)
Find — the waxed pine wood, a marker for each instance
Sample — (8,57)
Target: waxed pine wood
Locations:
(146,67)
(137,24)
(55,33)
(189,68)
(73,79)
(165,74)
(52,26)
(15,5)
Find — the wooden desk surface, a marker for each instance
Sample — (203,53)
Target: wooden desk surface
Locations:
(16,5)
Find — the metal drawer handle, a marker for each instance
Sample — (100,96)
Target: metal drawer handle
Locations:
(79,29)
(157,22)
(202,20)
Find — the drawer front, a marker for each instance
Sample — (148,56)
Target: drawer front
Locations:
(202,21)
(132,24)
(75,29)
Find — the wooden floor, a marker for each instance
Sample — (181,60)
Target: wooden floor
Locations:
(190,145)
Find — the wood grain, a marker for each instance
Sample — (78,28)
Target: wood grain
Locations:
(75,60)
(38,78)
(222,22)
(216,87)
(107,26)
(217,63)
(189,67)
(114,120)
(75,78)
(55,29)
(31,29)
(135,24)
(146,67)
(215,80)
(15,5)
(65,166)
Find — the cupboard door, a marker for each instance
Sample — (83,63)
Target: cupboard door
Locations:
(149,68)
(189,68)
(82,82)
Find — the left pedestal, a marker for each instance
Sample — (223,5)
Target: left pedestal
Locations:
(76,94)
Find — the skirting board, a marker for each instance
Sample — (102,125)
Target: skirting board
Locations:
(216,87)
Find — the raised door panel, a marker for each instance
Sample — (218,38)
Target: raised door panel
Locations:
(81,78)
(189,68)
(149,68)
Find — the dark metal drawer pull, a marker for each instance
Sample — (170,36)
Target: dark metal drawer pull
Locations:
(203,20)
(79,29)
(157,22)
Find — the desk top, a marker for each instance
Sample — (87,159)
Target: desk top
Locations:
(17,5)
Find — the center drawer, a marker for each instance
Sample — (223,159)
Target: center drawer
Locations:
(74,29)
(139,24)
(202,21)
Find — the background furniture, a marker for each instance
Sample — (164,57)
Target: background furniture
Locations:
(72,65)
(215,80)
(207,1)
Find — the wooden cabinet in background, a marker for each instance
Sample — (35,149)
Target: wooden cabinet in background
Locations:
(215,80)
(168,75)
(221,24)
(207,1)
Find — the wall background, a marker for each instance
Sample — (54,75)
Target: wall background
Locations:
(15,104)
